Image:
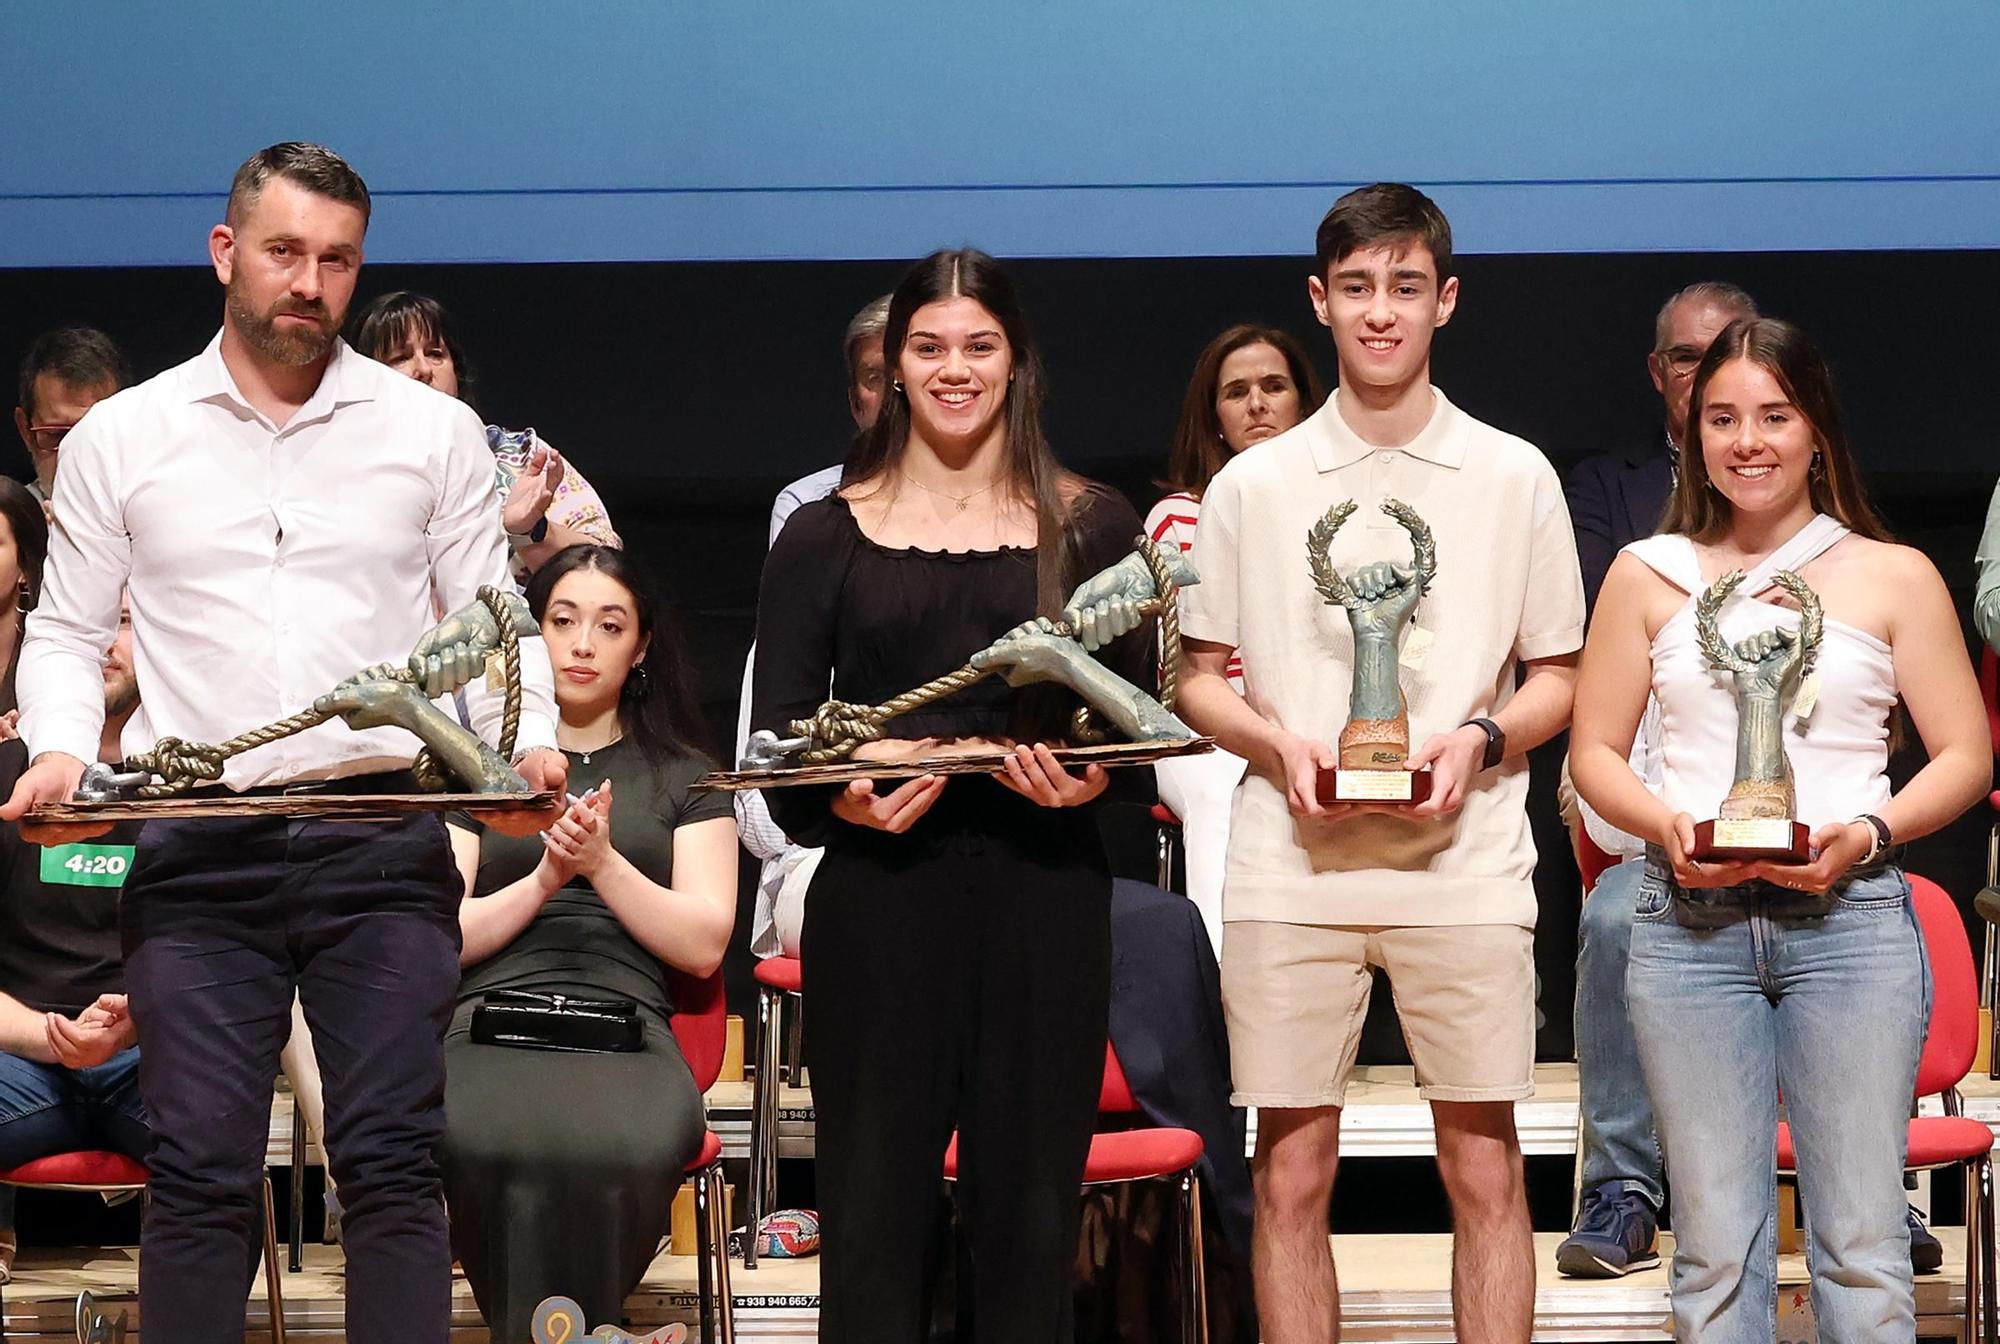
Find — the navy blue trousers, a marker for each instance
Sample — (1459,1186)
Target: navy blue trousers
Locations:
(221,920)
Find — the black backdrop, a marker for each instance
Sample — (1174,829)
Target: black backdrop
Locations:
(689,393)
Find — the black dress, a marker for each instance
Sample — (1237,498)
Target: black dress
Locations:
(560,1169)
(956,976)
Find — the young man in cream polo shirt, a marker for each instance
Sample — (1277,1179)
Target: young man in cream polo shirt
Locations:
(1440,895)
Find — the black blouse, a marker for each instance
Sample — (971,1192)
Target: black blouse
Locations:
(878,621)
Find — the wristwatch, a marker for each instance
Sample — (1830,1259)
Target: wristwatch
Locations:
(1496,741)
(535,535)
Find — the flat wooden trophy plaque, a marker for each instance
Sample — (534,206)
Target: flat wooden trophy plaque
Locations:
(319,806)
(1777,839)
(986,762)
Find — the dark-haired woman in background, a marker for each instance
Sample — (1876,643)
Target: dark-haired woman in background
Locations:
(1752,978)
(1250,384)
(560,1168)
(956,941)
(24,546)
(545,503)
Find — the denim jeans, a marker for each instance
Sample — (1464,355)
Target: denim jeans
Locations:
(47,1109)
(1738,993)
(1619,1143)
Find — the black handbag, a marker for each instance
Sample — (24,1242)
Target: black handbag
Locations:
(534,1021)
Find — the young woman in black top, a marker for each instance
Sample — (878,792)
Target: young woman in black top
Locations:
(956,940)
(560,1169)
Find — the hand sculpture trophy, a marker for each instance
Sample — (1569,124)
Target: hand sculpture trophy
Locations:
(1380,599)
(450,655)
(1110,603)
(1758,820)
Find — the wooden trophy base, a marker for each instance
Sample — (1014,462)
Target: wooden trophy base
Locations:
(1777,839)
(1396,787)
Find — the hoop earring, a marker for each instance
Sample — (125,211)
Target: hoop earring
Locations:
(896,384)
(1817,471)
(23,603)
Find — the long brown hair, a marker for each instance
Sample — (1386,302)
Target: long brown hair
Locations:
(1199,451)
(1059,496)
(1699,510)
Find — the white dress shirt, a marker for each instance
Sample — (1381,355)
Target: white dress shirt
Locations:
(265,564)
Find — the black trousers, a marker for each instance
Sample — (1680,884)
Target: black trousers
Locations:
(956,976)
(221,920)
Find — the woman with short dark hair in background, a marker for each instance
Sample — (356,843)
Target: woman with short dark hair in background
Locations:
(545,503)
(1250,384)
(24,546)
(560,1167)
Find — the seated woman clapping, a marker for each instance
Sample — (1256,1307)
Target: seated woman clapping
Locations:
(560,1165)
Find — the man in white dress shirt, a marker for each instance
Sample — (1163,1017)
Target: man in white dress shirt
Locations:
(281,509)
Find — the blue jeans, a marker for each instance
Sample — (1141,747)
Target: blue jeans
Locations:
(1738,993)
(47,1109)
(1618,1139)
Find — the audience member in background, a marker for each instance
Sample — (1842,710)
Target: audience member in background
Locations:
(69,1061)
(1615,498)
(956,947)
(1752,978)
(64,373)
(1439,895)
(786,869)
(1249,384)
(559,1167)
(24,546)
(545,503)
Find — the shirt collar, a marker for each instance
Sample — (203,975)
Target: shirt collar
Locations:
(344,382)
(1334,445)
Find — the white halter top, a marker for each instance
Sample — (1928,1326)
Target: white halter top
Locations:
(1839,751)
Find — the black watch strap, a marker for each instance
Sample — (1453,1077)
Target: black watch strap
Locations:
(1496,741)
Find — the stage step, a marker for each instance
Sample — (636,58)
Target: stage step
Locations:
(1394,1288)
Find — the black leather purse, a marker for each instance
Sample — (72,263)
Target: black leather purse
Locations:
(533,1021)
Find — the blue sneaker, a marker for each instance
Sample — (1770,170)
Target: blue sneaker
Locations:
(1616,1232)
(1926,1252)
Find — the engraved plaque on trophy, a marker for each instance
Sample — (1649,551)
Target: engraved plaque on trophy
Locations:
(1759,818)
(1380,600)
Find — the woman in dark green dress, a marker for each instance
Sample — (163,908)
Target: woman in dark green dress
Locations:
(560,1168)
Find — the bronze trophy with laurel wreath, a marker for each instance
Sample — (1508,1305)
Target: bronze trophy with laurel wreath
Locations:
(1379,600)
(1759,818)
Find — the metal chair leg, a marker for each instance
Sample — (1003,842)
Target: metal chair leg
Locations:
(1194,1315)
(296,1251)
(1166,858)
(1989,1286)
(795,1040)
(274,1287)
(725,1301)
(704,1234)
(763,1182)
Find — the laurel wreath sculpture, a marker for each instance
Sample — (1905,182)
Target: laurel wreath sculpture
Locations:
(836,728)
(181,764)
(1423,548)
(1812,621)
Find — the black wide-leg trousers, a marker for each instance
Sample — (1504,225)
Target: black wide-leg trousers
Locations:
(956,977)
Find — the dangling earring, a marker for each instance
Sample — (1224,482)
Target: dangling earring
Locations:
(896,383)
(1817,471)
(23,602)
(639,671)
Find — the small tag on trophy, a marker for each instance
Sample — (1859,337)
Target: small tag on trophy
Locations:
(1373,786)
(1416,649)
(496,673)
(1808,696)
(1753,833)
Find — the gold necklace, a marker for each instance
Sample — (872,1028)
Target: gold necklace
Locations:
(960,500)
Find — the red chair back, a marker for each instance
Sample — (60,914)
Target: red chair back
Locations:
(700,1023)
(1953,1033)
(1115,1097)
(1989,691)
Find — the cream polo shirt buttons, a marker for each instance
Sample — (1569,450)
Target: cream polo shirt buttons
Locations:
(1507,590)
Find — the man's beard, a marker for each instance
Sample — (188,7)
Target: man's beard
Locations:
(121,695)
(292,346)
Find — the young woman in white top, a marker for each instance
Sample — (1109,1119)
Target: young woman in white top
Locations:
(1250,384)
(1748,978)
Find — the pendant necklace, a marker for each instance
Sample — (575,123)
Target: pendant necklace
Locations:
(960,500)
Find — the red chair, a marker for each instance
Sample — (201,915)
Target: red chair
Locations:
(1170,827)
(701,1024)
(1951,1139)
(101,1173)
(778,981)
(1592,861)
(1145,1155)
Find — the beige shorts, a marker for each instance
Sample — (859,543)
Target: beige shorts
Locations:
(1295,996)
